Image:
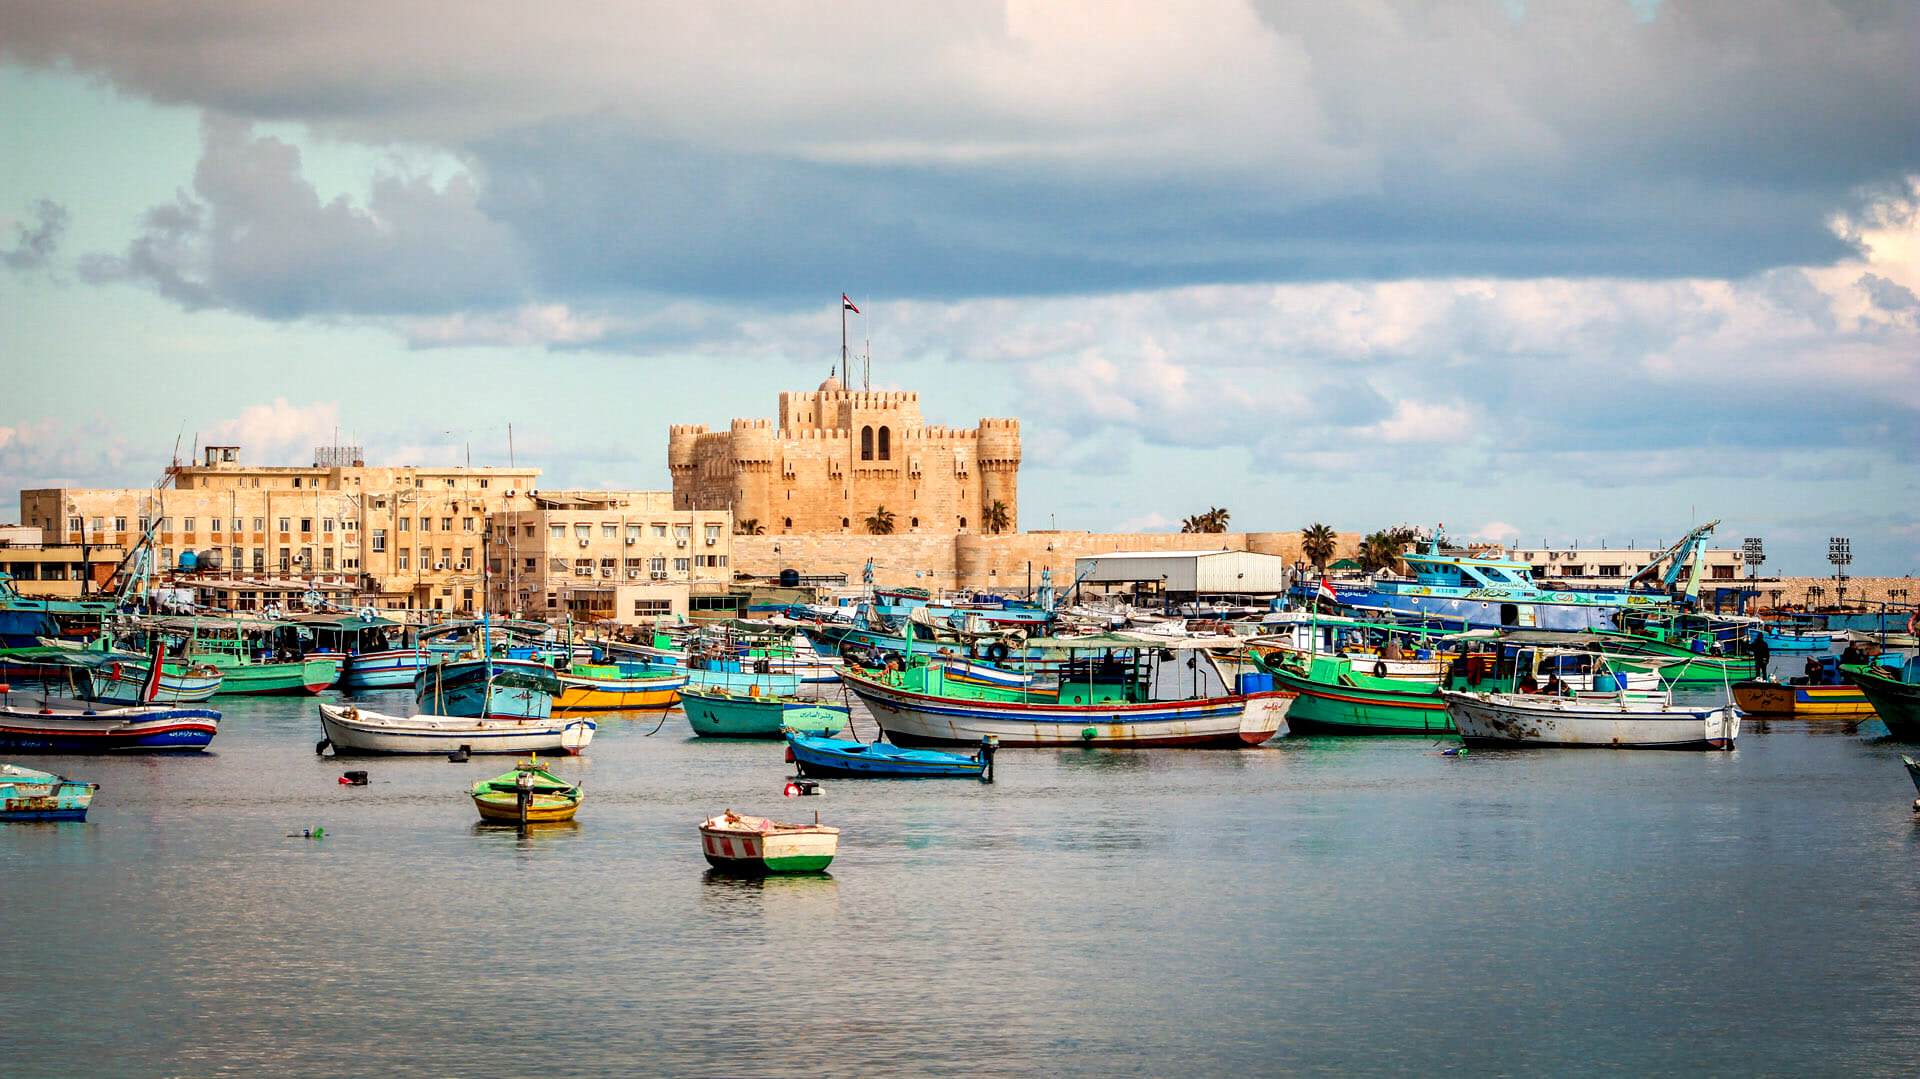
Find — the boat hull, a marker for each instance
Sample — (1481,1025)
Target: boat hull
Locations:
(785,849)
(1322,708)
(108,730)
(837,758)
(29,795)
(1503,719)
(726,715)
(912,719)
(543,809)
(353,730)
(591,694)
(1791,701)
(383,670)
(1896,702)
(287,679)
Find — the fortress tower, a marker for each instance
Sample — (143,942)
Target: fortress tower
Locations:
(836,457)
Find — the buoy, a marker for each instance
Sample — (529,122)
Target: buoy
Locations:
(791,790)
(321,746)
(1089,733)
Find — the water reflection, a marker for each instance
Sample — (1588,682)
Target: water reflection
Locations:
(801,896)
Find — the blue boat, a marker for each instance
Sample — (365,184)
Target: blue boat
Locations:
(1795,639)
(814,755)
(44,724)
(487,688)
(24,622)
(29,795)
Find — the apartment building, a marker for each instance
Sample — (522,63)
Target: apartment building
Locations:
(399,537)
(1603,566)
(620,555)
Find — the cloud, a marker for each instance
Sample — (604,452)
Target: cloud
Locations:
(1495,532)
(544,324)
(278,431)
(35,244)
(254,236)
(748,151)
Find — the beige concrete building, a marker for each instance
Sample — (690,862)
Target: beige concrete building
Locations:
(621,555)
(1599,567)
(398,537)
(55,571)
(836,457)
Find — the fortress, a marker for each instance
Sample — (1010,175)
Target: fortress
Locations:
(837,456)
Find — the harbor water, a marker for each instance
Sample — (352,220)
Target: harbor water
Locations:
(1313,906)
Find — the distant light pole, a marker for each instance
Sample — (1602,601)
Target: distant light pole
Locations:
(1840,553)
(1755,555)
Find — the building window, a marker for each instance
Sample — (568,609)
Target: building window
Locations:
(680,564)
(379,540)
(583,531)
(119,524)
(406,524)
(913,522)
(657,565)
(326,525)
(963,522)
(866,443)
(557,531)
(788,522)
(446,524)
(326,558)
(259,559)
(259,524)
(466,557)
(187,525)
(633,533)
(713,533)
(166,558)
(659,531)
(483,485)
(886,444)
(400,559)
(844,522)
(286,560)
(466,524)
(531,564)
(73,524)
(286,524)
(306,524)
(682,531)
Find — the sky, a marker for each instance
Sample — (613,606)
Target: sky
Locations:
(1563,272)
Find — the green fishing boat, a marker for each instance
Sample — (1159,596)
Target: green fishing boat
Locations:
(1894,694)
(1334,696)
(719,713)
(253,657)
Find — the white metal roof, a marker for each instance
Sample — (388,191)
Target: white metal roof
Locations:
(1223,572)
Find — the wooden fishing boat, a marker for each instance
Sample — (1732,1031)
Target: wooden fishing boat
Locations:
(819,756)
(719,713)
(34,723)
(529,794)
(29,795)
(487,687)
(349,729)
(115,677)
(1799,700)
(1620,720)
(1695,639)
(756,846)
(1793,638)
(1894,694)
(1112,692)
(377,653)
(615,687)
(258,657)
(1334,696)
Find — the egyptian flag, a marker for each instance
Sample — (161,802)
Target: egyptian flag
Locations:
(150,688)
(847,305)
(1326,592)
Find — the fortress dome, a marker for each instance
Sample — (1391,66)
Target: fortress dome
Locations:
(831,385)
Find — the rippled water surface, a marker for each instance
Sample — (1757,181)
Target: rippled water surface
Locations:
(1331,906)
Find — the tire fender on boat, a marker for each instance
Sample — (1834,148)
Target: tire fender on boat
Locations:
(1379,669)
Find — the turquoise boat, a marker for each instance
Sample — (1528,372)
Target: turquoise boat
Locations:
(487,688)
(1894,693)
(719,713)
(29,795)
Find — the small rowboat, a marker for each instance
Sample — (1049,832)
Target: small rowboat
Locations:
(350,729)
(527,795)
(817,756)
(756,846)
(26,794)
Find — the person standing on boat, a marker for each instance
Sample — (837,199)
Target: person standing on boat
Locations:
(1392,649)
(1761,654)
(1854,656)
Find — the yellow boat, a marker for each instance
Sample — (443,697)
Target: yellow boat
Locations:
(608,688)
(1800,701)
(527,795)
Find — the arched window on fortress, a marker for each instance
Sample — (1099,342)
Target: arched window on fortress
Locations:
(886,450)
(788,524)
(963,522)
(866,443)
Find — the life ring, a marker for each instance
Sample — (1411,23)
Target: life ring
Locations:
(1913,620)
(368,614)
(1380,668)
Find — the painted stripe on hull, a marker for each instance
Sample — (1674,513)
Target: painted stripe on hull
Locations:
(918,719)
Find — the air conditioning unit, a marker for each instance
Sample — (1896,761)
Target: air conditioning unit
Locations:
(659,575)
(633,575)
(606,571)
(679,543)
(511,492)
(440,565)
(462,565)
(631,540)
(583,543)
(583,571)
(711,541)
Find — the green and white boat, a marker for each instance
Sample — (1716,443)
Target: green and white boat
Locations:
(755,846)
(1894,693)
(1704,657)
(1339,695)
(720,713)
(253,657)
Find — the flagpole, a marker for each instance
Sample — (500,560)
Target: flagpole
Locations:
(846,375)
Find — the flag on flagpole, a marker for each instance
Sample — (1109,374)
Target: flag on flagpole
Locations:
(847,304)
(156,658)
(1326,592)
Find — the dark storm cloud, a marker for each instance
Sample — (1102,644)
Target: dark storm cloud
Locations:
(755,152)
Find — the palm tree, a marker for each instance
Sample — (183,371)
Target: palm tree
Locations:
(1381,550)
(997,518)
(881,523)
(749,526)
(1214,520)
(1318,542)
